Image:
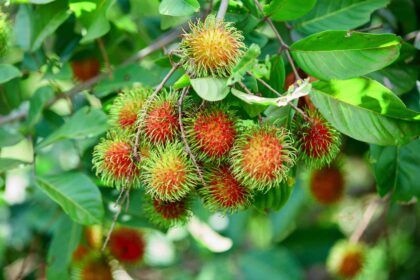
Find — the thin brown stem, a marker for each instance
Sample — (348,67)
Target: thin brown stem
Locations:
(245,88)
(105,56)
(184,138)
(364,223)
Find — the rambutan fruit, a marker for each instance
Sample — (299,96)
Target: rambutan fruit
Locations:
(168,214)
(95,269)
(327,184)
(161,122)
(127,245)
(168,173)
(114,162)
(224,192)
(262,156)
(126,107)
(346,259)
(211,133)
(80,254)
(4,34)
(85,69)
(316,140)
(212,47)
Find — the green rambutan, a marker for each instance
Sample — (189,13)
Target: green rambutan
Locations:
(168,173)
(127,245)
(212,47)
(327,184)
(346,259)
(168,214)
(161,122)
(224,192)
(126,107)
(317,141)
(211,133)
(262,156)
(4,34)
(114,161)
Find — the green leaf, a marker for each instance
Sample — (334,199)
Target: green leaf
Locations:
(8,72)
(83,124)
(65,240)
(9,138)
(10,163)
(397,170)
(79,197)
(247,62)
(23,28)
(170,21)
(96,22)
(338,15)
(254,99)
(37,103)
(278,73)
(178,7)
(210,89)
(284,10)
(366,110)
(342,55)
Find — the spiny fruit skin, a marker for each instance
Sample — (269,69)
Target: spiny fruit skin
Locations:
(317,141)
(346,260)
(114,162)
(4,34)
(211,133)
(262,156)
(161,122)
(224,192)
(212,47)
(126,107)
(168,173)
(127,245)
(168,214)
(96,270)
(85,69)
(327,184)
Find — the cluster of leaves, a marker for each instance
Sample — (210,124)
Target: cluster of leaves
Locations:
(366,89)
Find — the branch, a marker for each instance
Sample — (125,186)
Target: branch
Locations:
(105,56)
(222,9)
(280,39)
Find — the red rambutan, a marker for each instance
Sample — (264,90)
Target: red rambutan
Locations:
(224,192)
(127,245)
(211,133)
(327,184)
(80,253)
(346,259)
(317,141)
(168,173)
(261,157)
(85,69)
(167,214)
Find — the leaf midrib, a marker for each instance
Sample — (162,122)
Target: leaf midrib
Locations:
(324,51)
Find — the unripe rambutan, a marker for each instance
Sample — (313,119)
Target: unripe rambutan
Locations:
(114,161)
(85,69)
(127,245)
(161,122)
(317,141)
(169,174)
(211,133)
(261,157)
(126,107)
(97,269)
(167,214)
(327,184)
(4,34)
(212,47)
(224,192)
(346,260)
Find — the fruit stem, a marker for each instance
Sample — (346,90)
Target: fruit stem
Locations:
(184,138)
(280,39)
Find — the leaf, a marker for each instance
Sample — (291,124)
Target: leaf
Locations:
(397,169)
(23,27)
(64,242)
(284,10)
(170,21)
(10,163)
(338,15)
(79,197)
(9,138)
(83,124)
(254,99)
(278,73)
(37,104)
(247,62)
(210,89)
(178,7)
(366,110)
(8,72)
(341,55)
(96,22)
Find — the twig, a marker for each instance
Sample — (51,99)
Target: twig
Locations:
(105,56)
(146,108)
(364,223)
(15,116)
(184,138)
(280,39)
(245,88)
(222,9)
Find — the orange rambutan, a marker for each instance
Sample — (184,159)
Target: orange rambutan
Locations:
(346,259)
(97,269)
(127,245)
(168,213)
(327,184)
(85,69)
